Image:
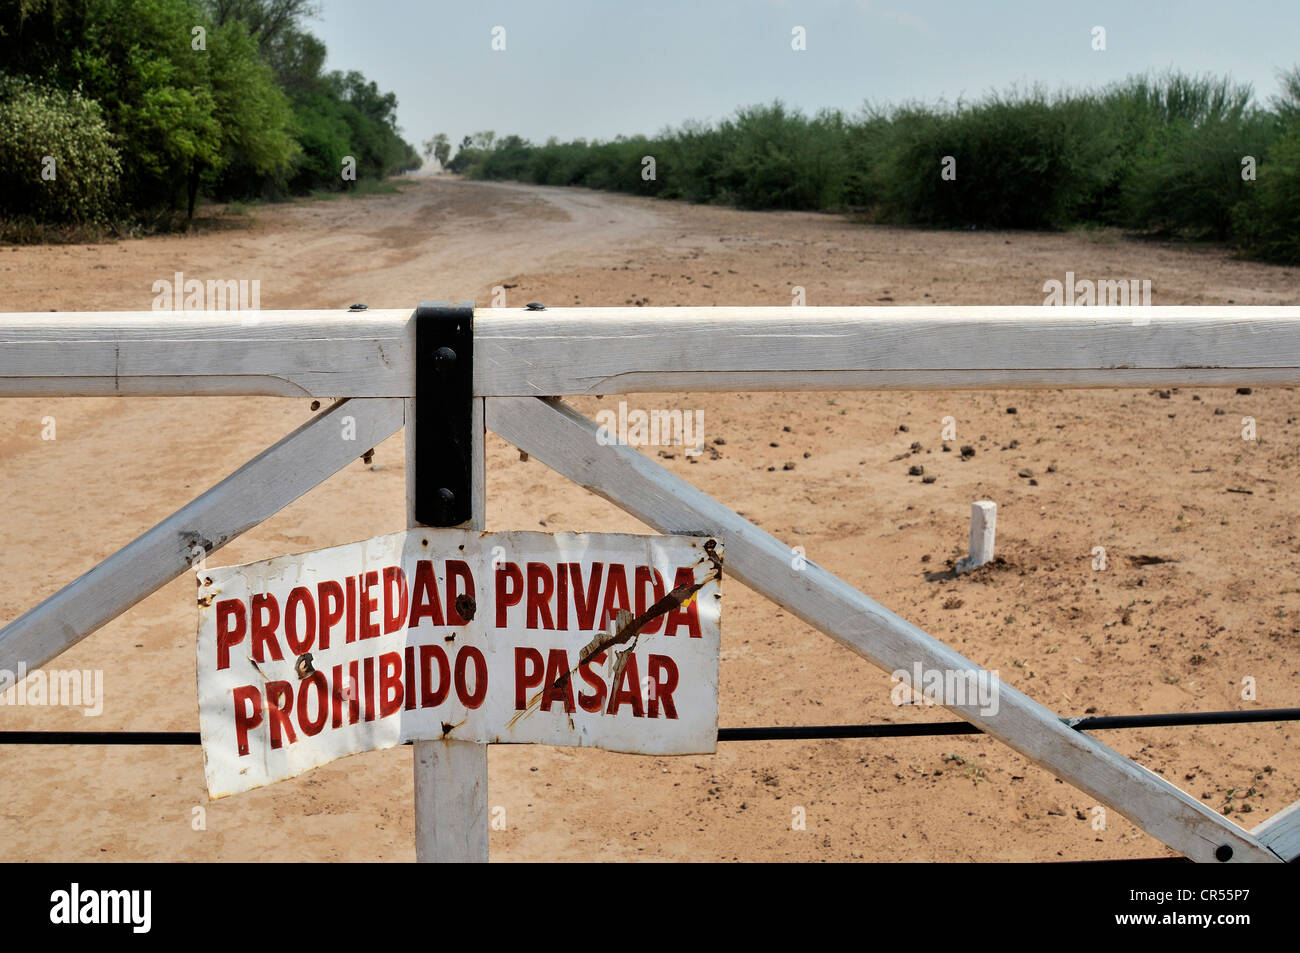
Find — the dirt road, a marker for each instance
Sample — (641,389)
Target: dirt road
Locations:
(1137,473)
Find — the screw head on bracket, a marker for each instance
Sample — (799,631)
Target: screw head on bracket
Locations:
(445,496)
(444,355)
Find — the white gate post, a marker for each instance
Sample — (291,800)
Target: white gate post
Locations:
(451,777)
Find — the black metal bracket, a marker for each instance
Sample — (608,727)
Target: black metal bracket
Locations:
(444,404)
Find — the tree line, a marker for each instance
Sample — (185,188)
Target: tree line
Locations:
(1168,154)
(112,108)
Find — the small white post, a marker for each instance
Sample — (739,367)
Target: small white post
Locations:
(451,777)
(983,524)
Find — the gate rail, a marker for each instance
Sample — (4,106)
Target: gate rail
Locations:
(523,361)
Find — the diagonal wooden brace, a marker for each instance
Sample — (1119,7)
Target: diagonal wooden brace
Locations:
(260,488)
(567,442)
(1281,833)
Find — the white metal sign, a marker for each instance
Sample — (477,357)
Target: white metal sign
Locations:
(599,640)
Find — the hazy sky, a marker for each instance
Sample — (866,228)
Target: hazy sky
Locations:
(581,68)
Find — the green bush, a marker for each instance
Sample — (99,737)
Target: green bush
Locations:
(1181,141)
(36,122)
(1151,153)
(1023,161)
(778,159)
(1190,181)
(1267,222)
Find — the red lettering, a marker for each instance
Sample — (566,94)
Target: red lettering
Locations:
(329,598)
(661,689)
(424,600)
(557,670)
(300,596)
(615,594)
(627,690)
(369,604)
(390,683)
(279,700)
(594,702)
(468,654)
(429,698)
(351,635)
(394,602)
(540,588)
(337,720)
(457,570)
(526,657)
(562,596)
(508,596)
(410,678)
(656,583)
(687,615)
(585,604)
(368,667)
(246,720)
(264,629)
(312,726)
(228,611)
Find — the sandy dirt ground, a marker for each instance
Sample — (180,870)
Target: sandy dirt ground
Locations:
(1137,472)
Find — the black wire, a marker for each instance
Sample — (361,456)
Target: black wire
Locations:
(99,737)
(806,732)
(774,733)
(1184,718)
(921,729)
(115,738)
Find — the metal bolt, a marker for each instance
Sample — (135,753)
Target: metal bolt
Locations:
(444,355)
(445,496)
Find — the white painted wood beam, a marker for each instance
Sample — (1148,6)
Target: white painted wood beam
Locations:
(629,350)
(197,353)
(564,351)
(1281,833)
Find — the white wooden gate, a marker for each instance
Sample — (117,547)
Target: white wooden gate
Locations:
(524,361)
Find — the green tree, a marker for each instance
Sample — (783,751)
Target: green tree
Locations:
(138,62)
(253,114)
(269,22)
(247,110)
